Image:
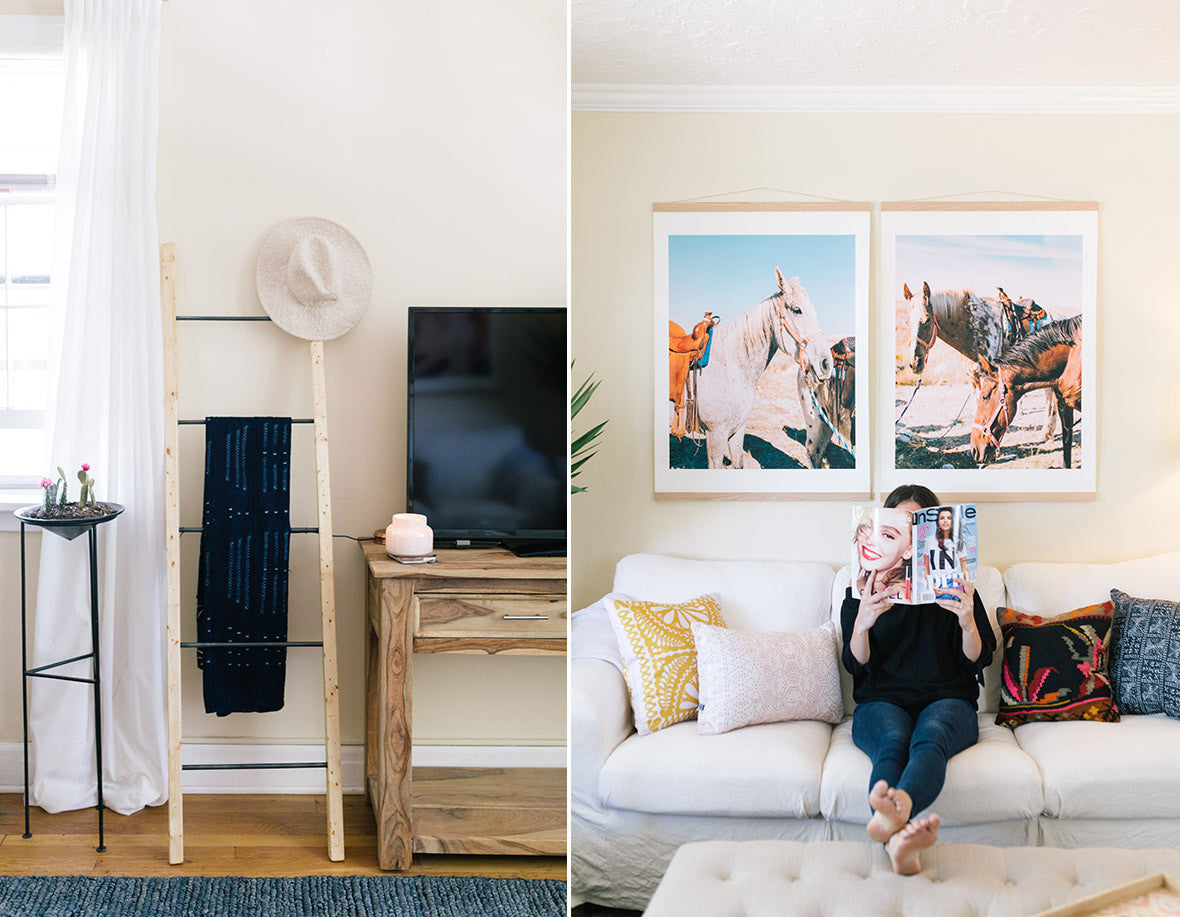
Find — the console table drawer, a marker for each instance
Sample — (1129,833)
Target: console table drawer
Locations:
(491,616)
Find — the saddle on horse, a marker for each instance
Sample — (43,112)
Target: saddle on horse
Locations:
(687,353)
(1021,317)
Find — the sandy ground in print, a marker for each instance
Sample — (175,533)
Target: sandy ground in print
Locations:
(776,435)
(934,434)
(936,430)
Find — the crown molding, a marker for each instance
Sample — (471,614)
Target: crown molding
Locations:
(1041,100)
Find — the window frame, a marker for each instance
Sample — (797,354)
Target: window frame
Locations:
(21,190)
(26,40)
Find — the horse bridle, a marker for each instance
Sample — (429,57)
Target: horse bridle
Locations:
(801,343)
(1001,408)
(933,334)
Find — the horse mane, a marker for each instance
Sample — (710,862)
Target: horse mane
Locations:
(944,302)
(1024,353)
(747,332)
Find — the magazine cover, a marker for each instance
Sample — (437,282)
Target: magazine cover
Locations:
(945,545)
(921,551)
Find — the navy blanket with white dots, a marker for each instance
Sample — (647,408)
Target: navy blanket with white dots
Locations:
(245,549)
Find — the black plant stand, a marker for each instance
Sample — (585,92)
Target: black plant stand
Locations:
(68,529)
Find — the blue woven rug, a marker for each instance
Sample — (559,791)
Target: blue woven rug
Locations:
(308,896)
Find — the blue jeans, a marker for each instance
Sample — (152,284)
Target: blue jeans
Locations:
(910,753)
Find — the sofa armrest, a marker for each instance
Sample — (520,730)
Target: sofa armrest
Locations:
(600,719)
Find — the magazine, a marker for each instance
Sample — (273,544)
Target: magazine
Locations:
(922,551)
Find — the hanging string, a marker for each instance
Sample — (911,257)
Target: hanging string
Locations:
(943,197)
(819,197)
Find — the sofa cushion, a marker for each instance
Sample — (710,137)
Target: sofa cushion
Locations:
(1049,589)
(1107,770)
(990,586)
(592,636)
(1056,668)
(1145,655)
(748,678)
(754,595)
(659,656)
(993,780)
(768,771)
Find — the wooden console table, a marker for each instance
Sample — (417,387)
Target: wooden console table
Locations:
(475,601)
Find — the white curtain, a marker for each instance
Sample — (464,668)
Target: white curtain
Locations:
(109,411)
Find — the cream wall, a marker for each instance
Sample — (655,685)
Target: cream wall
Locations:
(622,163)
(436,134)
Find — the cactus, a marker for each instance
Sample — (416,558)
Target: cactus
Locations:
(87,496)
(56,492)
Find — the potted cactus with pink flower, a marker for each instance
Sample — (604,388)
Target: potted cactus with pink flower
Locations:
(59,515)
(56,503)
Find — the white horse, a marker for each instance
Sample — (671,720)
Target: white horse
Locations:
(741,351)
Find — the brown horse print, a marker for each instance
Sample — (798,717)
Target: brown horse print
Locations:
(1050,358)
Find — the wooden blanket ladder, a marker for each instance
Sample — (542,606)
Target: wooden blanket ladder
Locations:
(174,530)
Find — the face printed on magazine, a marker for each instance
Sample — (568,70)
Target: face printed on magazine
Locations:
(887,544)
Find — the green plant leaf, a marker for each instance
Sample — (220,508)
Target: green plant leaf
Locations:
(585,391)
(579,463)
(583,442)
(581,445)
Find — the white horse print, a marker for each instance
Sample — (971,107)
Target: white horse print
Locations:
(742,349)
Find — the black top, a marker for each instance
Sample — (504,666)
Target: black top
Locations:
(916,655)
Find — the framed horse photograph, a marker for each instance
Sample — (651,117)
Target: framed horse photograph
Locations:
(759,395)
(993,308)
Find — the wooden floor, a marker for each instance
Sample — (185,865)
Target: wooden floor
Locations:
(227,836)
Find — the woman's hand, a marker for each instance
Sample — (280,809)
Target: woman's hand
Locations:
(961,601)
(876,599)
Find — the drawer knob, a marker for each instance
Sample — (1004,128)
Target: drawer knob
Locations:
(526,617)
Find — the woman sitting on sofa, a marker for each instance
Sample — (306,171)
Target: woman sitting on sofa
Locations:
(916,671)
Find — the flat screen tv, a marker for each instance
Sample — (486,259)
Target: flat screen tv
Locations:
(487,425)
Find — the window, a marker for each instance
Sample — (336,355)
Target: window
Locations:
(31,89)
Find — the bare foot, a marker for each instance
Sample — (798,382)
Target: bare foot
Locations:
(891,810)
(905,846)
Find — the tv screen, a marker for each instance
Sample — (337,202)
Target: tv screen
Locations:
(487,432)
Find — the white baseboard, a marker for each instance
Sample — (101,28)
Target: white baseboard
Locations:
(311,780)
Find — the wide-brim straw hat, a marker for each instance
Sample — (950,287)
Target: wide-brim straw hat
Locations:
(314,279)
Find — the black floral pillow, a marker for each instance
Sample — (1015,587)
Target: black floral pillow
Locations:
(1145,655)
(1056,668)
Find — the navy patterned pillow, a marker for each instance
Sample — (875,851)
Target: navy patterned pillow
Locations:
(1145,655)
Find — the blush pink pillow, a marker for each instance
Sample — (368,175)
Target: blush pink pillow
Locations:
(748,677)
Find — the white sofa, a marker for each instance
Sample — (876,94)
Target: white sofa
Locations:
(635,799)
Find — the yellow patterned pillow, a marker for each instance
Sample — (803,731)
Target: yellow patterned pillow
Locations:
(659,655)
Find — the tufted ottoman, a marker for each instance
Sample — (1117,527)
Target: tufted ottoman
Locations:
(848,879)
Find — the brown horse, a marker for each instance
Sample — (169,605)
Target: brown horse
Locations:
(684,350)
(1050,358)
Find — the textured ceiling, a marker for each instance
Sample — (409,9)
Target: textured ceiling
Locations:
(877,42)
